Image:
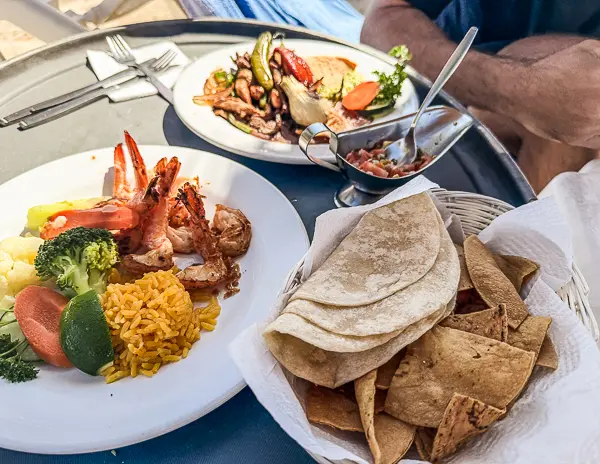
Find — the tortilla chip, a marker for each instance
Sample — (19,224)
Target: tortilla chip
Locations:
(490,323)
(547,357)
(364,388)
(394,438)
(490,282)
(531,334)
(463,419)
(424,442)
(390,248)
(385,373)
(380,401)
(465,282)
(445,361)
(518,269)
(332,408)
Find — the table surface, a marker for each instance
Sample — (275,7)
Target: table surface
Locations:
(240,430)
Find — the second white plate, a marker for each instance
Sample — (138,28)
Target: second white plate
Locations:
(214,129)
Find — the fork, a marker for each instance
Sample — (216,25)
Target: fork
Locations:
(122,53)
(155,65)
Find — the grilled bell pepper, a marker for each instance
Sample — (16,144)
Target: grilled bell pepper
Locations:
(260,61)
(240,125)
(296,66)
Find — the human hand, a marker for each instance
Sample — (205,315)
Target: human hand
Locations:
(561,96)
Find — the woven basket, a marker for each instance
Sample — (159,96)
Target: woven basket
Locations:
(476,212)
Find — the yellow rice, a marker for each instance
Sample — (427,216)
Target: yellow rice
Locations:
(153,322)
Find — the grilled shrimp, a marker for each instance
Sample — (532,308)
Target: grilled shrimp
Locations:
(156,252)
(216,269)
(233,229)
(139,167)
(121,187)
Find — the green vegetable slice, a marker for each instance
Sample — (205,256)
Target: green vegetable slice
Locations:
(84,334)
(260,61)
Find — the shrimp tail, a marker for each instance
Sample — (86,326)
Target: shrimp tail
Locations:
(121,189)
(141,174)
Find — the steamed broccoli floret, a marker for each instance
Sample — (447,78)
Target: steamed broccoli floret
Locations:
(79,259)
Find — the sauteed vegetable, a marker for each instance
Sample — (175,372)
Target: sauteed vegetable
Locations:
(273,92)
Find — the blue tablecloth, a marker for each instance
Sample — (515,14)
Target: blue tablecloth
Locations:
(334,17)
(241,432)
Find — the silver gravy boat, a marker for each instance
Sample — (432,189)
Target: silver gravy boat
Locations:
(439,128)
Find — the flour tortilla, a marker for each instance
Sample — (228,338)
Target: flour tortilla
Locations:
(463,419)
(490,323)
(331,369)
(445,361)
(331,69)
(389,249)
(396,312)
(314,335)
(332,408)
(491,283)
(465,282)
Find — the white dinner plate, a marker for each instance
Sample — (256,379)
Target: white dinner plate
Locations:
(214,129)
(67,411)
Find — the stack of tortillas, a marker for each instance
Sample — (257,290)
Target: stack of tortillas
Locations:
(387,283)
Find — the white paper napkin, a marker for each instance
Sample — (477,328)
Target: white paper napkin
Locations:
(557,420)
(105,66)
(577,195)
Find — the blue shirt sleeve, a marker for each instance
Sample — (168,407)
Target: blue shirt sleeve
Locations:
(432,8)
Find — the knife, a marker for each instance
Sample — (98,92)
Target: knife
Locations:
(163,90)
(118,78)
(54,112)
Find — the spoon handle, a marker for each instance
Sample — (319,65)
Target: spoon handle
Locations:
(453,62)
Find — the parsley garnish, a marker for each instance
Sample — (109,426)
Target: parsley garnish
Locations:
(390,85)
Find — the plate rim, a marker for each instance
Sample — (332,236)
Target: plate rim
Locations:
(113,442)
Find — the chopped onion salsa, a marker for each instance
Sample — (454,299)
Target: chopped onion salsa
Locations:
(373,161)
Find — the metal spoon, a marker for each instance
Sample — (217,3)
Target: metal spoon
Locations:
(404,151)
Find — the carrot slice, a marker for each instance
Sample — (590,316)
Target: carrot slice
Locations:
(38,311)
(361,96)
(108,217)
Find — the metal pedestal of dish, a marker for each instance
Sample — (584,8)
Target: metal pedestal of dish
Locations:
(348,195)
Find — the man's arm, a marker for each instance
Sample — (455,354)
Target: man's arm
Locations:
(481,80)
(533,91)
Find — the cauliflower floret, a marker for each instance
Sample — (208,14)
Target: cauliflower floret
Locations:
(21,275)
(17,271)
(3,288)
(6,263)
(21,248)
